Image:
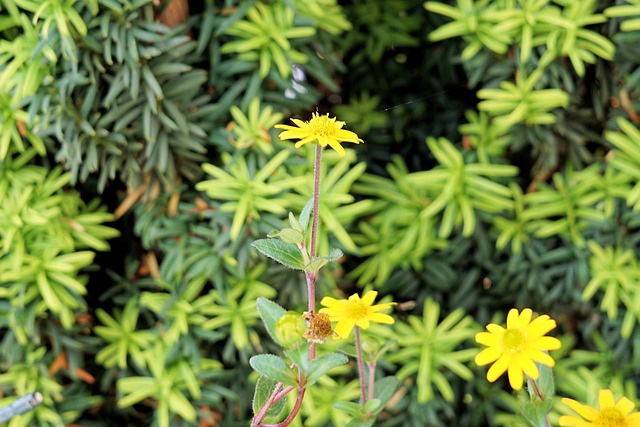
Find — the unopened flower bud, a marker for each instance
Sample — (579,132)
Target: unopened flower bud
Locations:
(370,345)
(289,329)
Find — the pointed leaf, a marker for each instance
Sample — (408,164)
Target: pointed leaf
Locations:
(264,389)
(274,367)
(321,364)
(286,254)
(270,312)
(306,212)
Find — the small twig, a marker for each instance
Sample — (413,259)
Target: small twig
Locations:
(292,414)
(372,379)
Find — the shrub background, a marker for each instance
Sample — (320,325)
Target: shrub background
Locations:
(138,162)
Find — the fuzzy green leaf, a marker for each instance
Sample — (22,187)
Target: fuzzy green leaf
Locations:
(274,367)
(286,254)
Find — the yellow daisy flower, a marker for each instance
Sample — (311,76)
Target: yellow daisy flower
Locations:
(516,348)
(355,312)
(322,130)
(611,414)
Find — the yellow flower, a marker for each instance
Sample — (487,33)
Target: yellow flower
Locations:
(517,347)
(321,130)
(610,414)
(355,312)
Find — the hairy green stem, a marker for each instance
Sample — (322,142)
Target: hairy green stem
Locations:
(311,277)
(363,396)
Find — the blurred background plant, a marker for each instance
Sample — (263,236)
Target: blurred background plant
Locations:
(138,163)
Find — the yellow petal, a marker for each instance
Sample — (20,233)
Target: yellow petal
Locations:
(540,357)
(605,399)
(525,318)
(495,329)
(344,327)
(528,366)
(486,356)
(498,368)
(369,297)
(567,420)
(586,412)
(363,323)
(333,143)
(512,318)
(545,343)
(624,405)
(380,318)
(515,374)
(488,339)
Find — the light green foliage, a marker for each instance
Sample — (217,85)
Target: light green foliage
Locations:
(632,9)
(327,15)
(25,377)
(496,25)
(125,340)
(516,230)
(398,235)
(265,37)
(247,190)
(252,131)
(338,207)
(521,102)
(485,136)
(568,208)
(626,159)
(319,407)
(42,234)
(170,382)
(236,310)
(427,346)
(474,22)
(460,189)
(616,272)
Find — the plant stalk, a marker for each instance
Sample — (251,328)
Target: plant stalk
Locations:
(311,277)
(363,396)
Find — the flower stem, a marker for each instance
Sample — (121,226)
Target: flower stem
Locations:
(363,396)
(372,379)
(311,277)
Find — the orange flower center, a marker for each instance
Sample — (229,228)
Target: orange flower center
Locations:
(610,417)
(322,125)
(514,340)
(356,310)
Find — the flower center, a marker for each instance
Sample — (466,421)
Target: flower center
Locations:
(514,340)
(610,417)
(356,310)
(322,125)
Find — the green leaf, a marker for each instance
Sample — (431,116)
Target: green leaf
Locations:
(300,356)
(306,213)
(286,254)
(264,389)
(321,364)
(319,262)
(270,312)
(384,388)
(274,367)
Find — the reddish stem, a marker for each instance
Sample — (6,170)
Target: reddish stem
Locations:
(363,397)
(292,414)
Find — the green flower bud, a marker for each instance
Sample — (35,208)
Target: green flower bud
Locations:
(371,345)
(290,329)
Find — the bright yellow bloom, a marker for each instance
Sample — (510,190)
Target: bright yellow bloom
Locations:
(355,312)
(611,414)
(516,348)
(321,130)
